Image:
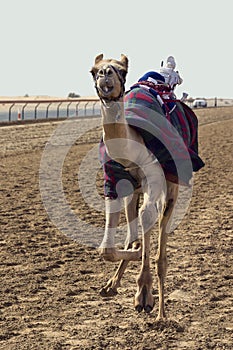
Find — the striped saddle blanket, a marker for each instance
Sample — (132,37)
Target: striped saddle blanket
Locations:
(169,129)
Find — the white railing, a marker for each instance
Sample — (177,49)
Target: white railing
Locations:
(33,109)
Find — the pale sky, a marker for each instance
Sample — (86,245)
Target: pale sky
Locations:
(49,46)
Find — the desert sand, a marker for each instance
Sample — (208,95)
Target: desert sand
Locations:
(50,283)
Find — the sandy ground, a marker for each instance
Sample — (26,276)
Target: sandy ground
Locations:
(50,283)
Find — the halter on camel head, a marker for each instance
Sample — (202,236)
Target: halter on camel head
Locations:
(109,77)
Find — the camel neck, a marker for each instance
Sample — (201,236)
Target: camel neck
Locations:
(113,119)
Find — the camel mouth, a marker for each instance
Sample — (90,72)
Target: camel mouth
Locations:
(106,90)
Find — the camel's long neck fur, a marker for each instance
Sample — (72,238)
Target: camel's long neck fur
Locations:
(121,140)
(113,120)
(116,131)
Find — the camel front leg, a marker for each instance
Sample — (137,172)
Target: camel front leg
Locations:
(107,247)
(161,258)
(111,287)
(131,210)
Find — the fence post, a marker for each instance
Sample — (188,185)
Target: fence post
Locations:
(24,106)
(77,105)
(93,107)
(47,110)
(58,108)
(35,114)
(10,111)
(67,110)
(85,108)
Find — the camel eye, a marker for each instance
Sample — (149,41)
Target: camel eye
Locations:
(105,72)
(101,72)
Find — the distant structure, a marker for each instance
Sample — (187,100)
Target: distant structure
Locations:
(73,95)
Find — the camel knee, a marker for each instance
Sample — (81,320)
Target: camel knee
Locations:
(108,254)
(169,207)
(113,255)
(148,215)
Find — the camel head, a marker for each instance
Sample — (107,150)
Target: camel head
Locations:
(109,76)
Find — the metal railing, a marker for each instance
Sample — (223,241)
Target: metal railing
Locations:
(38,108)
(29,109)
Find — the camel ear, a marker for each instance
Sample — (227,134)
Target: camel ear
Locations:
(124,61)
(99,58)
(93,71)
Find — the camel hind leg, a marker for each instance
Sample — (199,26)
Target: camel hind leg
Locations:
(144,298)
(149,213)
(161,258)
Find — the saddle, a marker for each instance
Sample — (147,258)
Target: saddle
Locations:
(170,132)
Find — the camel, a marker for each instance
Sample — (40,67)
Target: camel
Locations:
(125,145)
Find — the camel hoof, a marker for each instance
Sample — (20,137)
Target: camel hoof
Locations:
(110,292)
(136,245)
(139,308)
(148,308)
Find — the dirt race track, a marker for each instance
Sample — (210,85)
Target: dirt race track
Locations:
(50,283)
